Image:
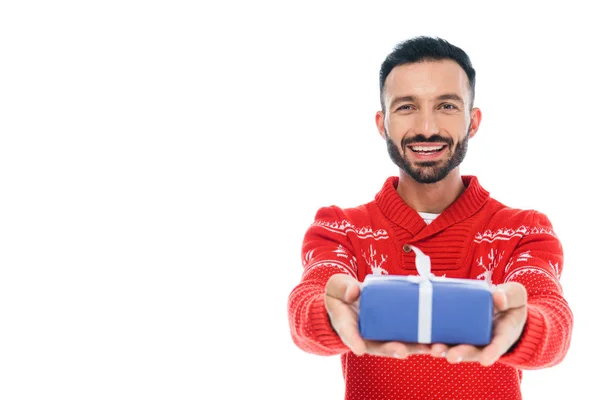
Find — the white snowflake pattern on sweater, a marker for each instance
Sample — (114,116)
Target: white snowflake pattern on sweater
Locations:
(343,227)
(507,233)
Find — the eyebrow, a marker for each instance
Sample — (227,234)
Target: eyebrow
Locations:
(446,96)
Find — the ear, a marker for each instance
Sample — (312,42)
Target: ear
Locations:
(475,121)
(380,122)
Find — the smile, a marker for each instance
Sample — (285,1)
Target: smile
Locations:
(427,152)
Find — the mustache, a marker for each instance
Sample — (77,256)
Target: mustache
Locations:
(423,139)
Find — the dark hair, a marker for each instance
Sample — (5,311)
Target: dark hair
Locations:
(424,48)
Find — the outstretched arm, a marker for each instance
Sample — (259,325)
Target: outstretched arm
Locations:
(323,307)
(546,336)
(324,254)
(533,322)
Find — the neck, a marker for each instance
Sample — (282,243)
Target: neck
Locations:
(433,197)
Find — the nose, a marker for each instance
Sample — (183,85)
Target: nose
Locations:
(425,123)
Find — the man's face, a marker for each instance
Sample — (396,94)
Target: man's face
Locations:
(427,122)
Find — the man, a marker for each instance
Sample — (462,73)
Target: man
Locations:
(427,89)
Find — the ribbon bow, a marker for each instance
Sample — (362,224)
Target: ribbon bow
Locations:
(423,263)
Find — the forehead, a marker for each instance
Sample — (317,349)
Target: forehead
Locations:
(427,79)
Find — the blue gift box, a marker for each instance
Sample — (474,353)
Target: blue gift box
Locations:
(426,309)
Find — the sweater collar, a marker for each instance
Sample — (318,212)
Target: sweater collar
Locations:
(394,208)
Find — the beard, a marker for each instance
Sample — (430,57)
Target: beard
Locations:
(428,171)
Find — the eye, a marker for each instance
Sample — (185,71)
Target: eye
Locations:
(404,107)
(448,106)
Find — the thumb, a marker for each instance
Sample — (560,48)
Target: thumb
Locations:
(510,295)
(352,292)
(343,287)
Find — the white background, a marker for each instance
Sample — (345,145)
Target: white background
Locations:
(161,161)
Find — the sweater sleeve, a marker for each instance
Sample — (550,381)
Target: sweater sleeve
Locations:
(537,264)
(326,251)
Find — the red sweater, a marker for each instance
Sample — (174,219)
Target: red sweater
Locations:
(476,237)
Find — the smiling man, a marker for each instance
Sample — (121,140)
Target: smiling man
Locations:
(427,91)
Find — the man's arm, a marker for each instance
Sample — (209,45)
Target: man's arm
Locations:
(324,253)
(532,321)
(537,264)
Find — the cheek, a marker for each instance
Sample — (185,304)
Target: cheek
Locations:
(455,123)
(398,130)
(400,123)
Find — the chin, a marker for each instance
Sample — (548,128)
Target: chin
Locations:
(432,177)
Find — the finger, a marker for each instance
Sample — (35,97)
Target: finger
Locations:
(463,353)
(506,332)
(387,349)
(497,347)
(344,321)
(352,293)
(338,287)
(439,350)
(396,349)
(351,338)
(418,348)
(510,295)
(500,300)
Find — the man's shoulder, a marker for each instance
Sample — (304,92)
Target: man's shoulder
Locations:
(356,215)
(361,211)
(502,216)
(361,222)
(497,210)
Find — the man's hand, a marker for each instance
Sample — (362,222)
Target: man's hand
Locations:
(510,315)
(342,295)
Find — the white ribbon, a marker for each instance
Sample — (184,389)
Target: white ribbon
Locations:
(423,263)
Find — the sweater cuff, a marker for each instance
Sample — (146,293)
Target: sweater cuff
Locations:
(528,344)
(322,329)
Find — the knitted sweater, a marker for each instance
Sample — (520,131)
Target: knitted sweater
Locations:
(476,237)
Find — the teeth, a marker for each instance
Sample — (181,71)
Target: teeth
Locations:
(427,149)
